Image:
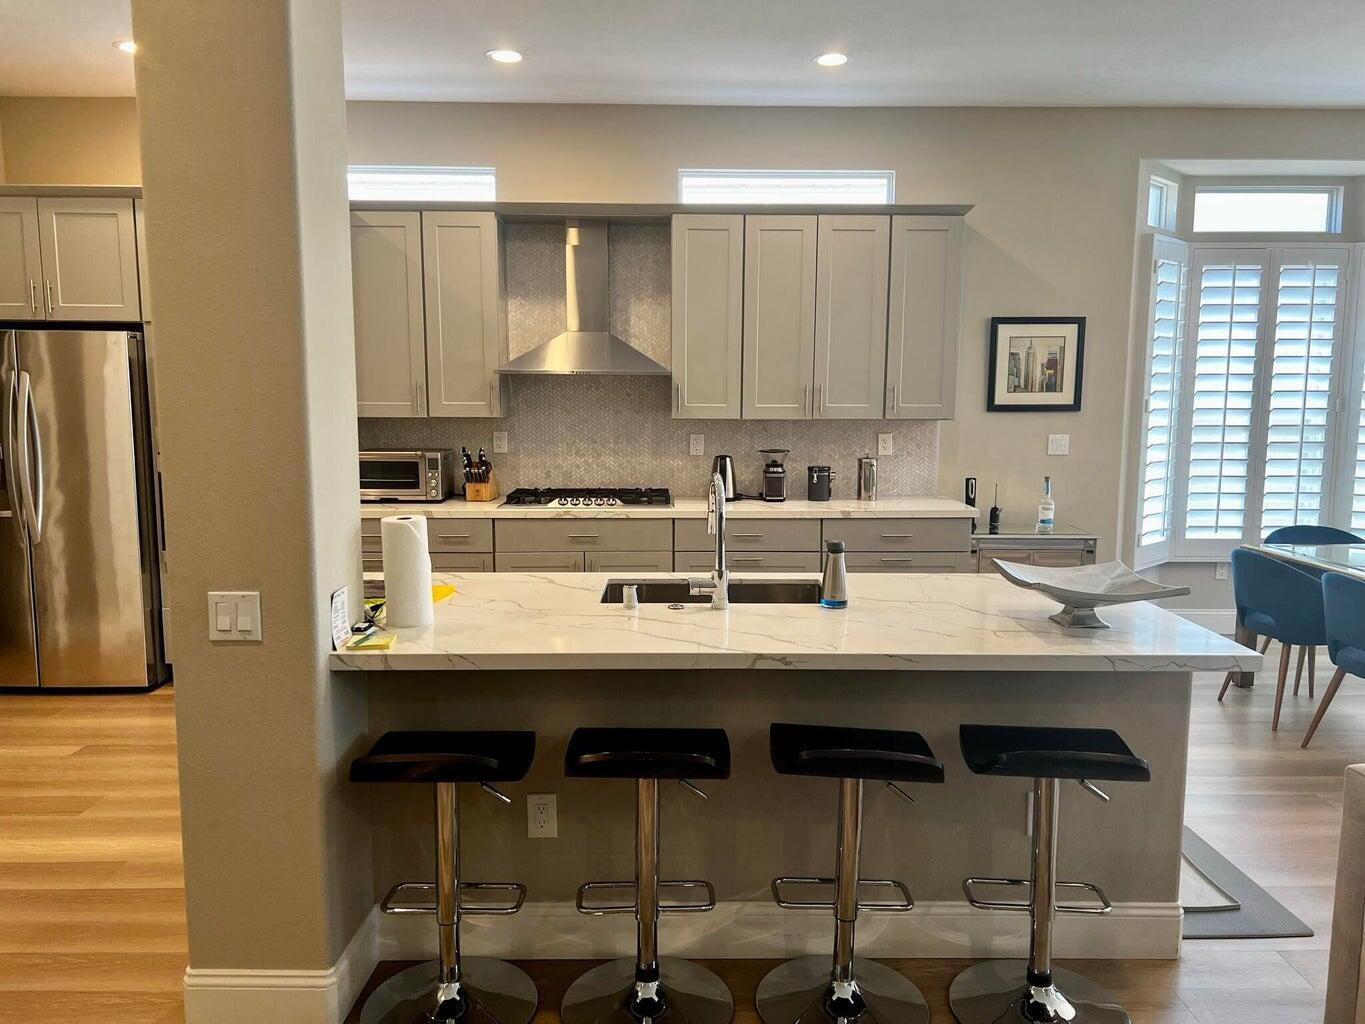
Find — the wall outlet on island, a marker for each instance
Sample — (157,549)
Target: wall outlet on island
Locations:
(499,442)
(542,816)
(886,444)
(696,444)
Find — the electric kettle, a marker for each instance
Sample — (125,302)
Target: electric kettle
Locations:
(725,466)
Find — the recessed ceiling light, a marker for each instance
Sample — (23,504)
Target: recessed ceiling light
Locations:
(126,45)
(504,56)
(831,60)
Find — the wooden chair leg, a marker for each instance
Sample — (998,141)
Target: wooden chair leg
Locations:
(1298,669)
(1265,645)
(1327,696)
(1227,681)
(1279,686)
(1312,664)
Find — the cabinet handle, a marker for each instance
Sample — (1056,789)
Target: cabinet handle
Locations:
(746,536)
(583,536)
(746,558)
(453,536)
(897,536)
(417,395)
(676,398)
(805,399)
(33,295)
(893,398)
(819,400)
(902,558)
(50,308)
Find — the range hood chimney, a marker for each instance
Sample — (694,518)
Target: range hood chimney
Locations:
(587,346)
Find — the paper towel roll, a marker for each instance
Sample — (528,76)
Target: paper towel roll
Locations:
(407,571)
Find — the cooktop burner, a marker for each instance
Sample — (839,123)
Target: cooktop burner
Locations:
(604,497)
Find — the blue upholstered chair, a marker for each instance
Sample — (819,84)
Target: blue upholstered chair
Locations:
(1343,599)
(1278,601)
(1312,535)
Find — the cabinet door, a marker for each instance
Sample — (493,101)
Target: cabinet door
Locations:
(538,561)
(386,286)
(21,268)
(89,255)
(630,561)
(708,307)
(779,316)
(852,270)
(923,319)
(466,324)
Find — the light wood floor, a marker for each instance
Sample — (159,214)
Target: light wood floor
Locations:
(92,902)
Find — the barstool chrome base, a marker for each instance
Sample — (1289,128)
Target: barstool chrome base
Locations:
(498,992)
(796,993)
(995,992)
(691,993)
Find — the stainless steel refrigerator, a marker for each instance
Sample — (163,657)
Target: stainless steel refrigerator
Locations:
(80,537)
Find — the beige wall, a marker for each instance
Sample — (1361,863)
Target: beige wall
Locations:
(70,141)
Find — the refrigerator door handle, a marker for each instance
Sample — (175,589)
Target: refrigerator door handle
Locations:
(10,406)
(30,451)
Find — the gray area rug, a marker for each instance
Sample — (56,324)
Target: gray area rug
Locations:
(1223,903)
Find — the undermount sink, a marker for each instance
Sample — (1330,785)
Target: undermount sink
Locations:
(741,592)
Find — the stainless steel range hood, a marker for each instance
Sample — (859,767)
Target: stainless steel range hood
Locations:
(587,346)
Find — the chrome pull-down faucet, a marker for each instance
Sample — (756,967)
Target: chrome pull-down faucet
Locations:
(718,586)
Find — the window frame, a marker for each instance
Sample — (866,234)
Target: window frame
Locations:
(1257,237)
(1348,364)
(415,195)
(785,174)
(1168,218)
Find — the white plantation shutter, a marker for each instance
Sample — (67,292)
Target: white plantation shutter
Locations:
(1166,314)
(1358,484)
(1221,383)
(1310,289)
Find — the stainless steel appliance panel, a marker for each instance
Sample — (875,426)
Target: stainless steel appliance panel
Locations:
(92,601)
(18,648)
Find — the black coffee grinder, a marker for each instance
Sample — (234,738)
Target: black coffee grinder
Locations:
(775,473)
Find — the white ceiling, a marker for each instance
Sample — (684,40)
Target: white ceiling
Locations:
(991,52)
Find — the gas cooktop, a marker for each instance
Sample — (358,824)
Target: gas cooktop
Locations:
(604,497)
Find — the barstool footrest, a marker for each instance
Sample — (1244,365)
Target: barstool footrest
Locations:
(1025,905)
(391,905)
(904,903)
(665,907)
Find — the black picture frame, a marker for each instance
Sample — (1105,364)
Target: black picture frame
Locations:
(993,403)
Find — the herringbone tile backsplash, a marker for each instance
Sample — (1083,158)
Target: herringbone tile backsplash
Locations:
(619,431)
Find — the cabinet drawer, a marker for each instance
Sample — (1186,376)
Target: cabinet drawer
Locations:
(370,528)
(1054,557)
(923,561)
(750,535)
(454,561)
(460,534)
(538,561)
(742,562)
(901,534)
(584,535)
(630,561)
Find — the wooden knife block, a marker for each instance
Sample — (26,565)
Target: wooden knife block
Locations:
(486,491)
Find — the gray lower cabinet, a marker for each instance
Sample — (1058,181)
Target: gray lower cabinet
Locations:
(584,535)
(1061,555)
(459,534)
(923,317)
(386,289)
(630,561)
(920,561)
(901,534)
(749,535)
(538,561)
(708,305)
(744,562)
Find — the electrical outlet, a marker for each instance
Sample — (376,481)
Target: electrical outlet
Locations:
(499,442)
(1059,444)
(542,816)
(886,444)
(1220,571)
(696,444)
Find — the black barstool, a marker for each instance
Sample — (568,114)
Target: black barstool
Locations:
(846,988)
(648,987)
(1033,991)
(451,988)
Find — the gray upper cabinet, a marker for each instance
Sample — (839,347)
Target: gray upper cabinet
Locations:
(386,285)
(708,306)
(779,316)
(466,323)
(923,318)
(21,268)
(89,259)
(852,267)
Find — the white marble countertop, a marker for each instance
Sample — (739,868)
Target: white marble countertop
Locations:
(684,508)
(957,622)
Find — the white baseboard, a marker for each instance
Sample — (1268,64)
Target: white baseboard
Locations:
(556,931)
(236,996)
(1219,620)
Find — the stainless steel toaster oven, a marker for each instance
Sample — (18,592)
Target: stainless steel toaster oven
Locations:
(407,475)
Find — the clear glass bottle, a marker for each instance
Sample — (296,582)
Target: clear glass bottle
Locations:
(1047,509)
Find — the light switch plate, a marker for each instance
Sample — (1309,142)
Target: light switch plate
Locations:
(1220,571)
(1059,444)
(696,444)
(886,444)
(499,442)
(234,615)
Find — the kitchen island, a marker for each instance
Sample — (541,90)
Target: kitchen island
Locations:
(914,651)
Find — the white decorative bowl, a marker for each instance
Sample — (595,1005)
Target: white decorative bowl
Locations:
(1083,588)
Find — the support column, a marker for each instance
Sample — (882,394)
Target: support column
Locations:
(242,118)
